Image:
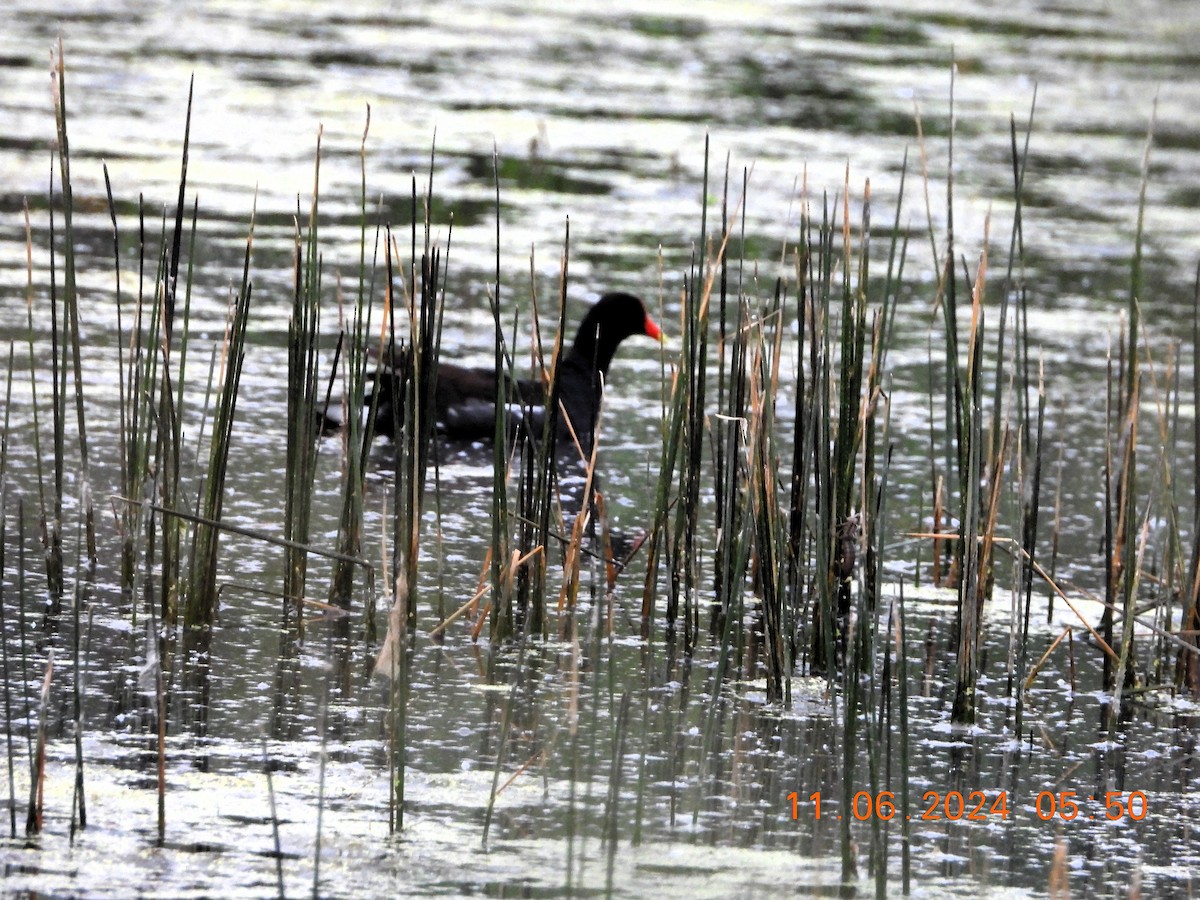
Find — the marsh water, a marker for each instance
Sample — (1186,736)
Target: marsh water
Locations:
(598,115)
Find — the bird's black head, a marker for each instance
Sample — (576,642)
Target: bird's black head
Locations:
(613,318)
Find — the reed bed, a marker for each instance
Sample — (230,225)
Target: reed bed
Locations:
(778,452)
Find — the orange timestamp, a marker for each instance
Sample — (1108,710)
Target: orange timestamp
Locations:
(979,806)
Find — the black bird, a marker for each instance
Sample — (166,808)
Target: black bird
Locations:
(465,398)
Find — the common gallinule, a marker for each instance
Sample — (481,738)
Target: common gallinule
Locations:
(465,399)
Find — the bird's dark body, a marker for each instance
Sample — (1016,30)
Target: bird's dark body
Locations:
(465,398)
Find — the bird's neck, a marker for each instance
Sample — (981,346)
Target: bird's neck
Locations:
(592,351)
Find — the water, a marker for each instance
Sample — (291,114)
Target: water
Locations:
(599,116)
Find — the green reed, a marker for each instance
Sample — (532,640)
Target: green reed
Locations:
(51,521)
(49,527)
(764,505)
(685,573)
(798,575)
(152,369)
(664,500)
(819,285)
(67,361)
(1187,664)
(1127,571)
(356,430)
(1167,559)
(684,435)
(424,314)
(730,401)
(22,632)
(1028,456)
(84,596)
(167,378)
(201,604)
(903,767)
(502,620)
(304,407)
(1029,521)
(127,515)
(538,506)
(413,424)
(843,528)
(5,670)
(71,310)
(733,516)
(975,502)
(979,449)
(138,367)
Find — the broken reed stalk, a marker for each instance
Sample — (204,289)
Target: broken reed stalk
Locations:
(37,780)
(581,528)
(82,598)
(1111,551)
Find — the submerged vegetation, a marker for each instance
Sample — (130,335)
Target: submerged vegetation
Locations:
(768,561)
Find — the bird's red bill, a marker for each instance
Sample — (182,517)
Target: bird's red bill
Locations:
(652,329)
